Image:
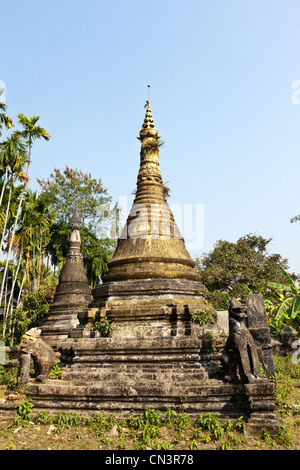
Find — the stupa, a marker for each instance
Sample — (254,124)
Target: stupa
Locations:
(149,339)
(72,293)
(151,283)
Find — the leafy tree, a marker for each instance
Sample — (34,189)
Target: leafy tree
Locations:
(96,255)
(63,189)
(230,265)
(66,187)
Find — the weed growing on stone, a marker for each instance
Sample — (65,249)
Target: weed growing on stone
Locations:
(104,326)
(203,317)
(55,373)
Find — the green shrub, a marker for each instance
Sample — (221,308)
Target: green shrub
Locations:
(24,409)
(203,317)
(55,373)
(104,326)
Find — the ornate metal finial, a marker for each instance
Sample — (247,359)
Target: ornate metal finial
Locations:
(148,127)
(147,105)
(75,221)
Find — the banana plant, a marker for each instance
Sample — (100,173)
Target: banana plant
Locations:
(288,297)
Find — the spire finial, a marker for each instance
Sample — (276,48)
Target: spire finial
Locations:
(148,127)
(75,221)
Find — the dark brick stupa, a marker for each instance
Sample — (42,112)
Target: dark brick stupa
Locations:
(72,293)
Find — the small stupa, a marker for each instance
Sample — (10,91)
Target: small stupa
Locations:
(72,293)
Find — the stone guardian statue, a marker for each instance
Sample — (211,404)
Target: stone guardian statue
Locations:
(44,358)
(241,354)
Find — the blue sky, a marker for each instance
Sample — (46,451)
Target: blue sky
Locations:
(221,74)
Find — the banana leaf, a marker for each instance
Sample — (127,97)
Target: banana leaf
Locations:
(290,282)
(296,308)
(284,307)
(275,285)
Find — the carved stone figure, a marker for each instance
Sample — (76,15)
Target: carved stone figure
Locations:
(240,354)
(44,358)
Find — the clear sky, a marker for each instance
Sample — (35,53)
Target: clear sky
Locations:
(222,74)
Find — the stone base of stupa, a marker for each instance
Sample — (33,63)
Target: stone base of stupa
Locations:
(128,375)
(155,357)
(161,364)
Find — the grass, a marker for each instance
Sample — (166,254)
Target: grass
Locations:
(155,430)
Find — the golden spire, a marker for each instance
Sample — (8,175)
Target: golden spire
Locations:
(151,245)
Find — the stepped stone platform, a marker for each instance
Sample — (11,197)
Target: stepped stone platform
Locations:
(171,373)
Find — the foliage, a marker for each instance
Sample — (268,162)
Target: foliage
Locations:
(182,422)
(64,419)
(287,375)
(287,300)
(104,326)
(203,317)
(208,421)
(7,376)
(230,265)
(63,189)
(4,119)
(96,254)
(43,418)
(14,153)
(23,410)
(35,307)
(295,219)
(55,373)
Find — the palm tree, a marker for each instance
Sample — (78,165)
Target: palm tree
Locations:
(4,164)
(30,133)
(30,238)
(13,155)
(4,119)
(3,167)
(35,222)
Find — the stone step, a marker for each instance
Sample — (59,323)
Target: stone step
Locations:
(123,398)
(133,377)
